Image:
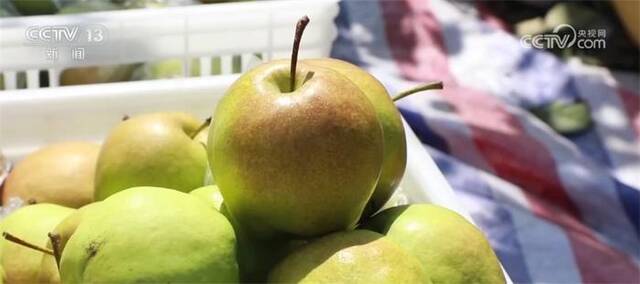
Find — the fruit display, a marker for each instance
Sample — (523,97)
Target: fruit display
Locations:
(284,183)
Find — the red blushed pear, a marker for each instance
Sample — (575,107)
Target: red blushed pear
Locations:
(395,144)
(60,173)
(295,149)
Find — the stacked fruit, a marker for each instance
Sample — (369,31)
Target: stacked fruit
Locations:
(302,155)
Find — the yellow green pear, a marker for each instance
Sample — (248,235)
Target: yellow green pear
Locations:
(63,231)
(151,235)
(452,249)
(61,173)
(358,256)
(301,159)
(210,194)
(395,145)
(156,149)
(164,69)
(31,224)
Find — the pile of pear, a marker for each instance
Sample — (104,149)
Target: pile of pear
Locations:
(284,184)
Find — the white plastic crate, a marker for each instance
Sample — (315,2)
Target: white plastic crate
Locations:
(30,119)
(243,29)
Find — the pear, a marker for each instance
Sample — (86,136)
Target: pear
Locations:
(148,234)
(30,224)
(453,250)
(395,144)
(96,74)
(255,257)
(358,256)
(155,149)
(209,194)
(63,231)
(62,174)
(164,69)
(295,151)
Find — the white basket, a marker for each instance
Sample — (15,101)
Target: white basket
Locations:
(225,30)
(30,119)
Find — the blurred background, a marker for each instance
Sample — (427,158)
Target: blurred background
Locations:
(537,129)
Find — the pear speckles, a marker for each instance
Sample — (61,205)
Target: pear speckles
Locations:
(92,248)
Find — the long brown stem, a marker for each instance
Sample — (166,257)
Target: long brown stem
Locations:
(426,87)
(300,26)
(14,239)
(55,244)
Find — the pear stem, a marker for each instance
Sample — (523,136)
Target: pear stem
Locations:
(431,86)
(300,26)
(14,239)
(55,244)
(202,126)
(125,117)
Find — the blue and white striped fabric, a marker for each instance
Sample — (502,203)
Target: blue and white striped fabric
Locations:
(555,209)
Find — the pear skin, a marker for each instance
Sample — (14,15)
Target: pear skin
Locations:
(62,174)
(151,235)
(395,144)
(96,74)
(210,194)
(64,230)
(154,149)
(358,256)
(453,250)
(302,162)
(31,224)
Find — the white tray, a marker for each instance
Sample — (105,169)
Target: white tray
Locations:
(30,119)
